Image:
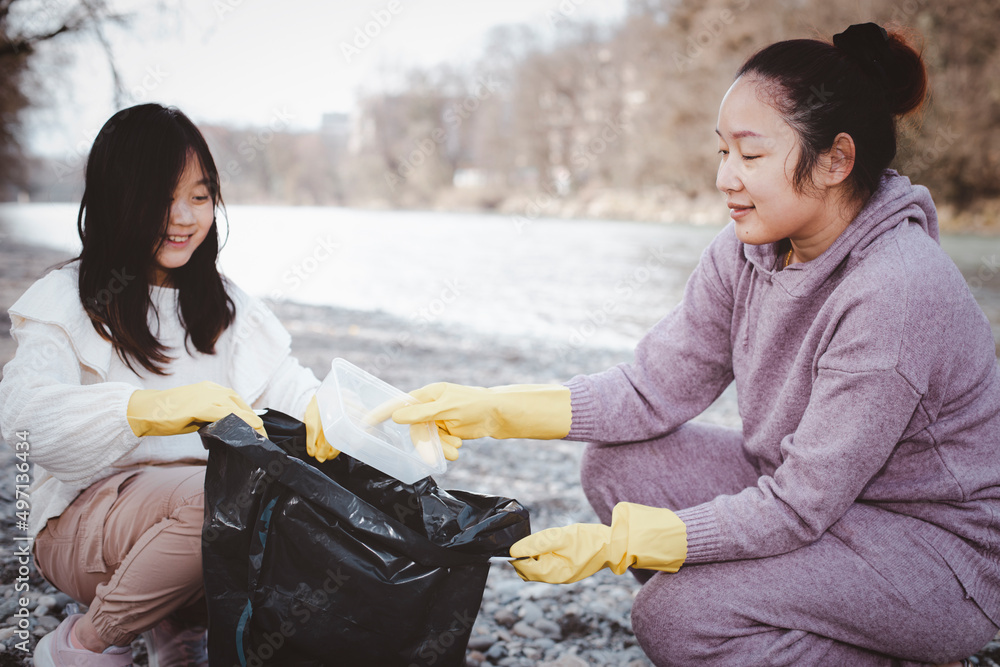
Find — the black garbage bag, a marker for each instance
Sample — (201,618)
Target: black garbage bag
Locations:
(336,563)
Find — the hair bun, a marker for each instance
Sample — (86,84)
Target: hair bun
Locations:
(868,45)
(889,59)
(906,76)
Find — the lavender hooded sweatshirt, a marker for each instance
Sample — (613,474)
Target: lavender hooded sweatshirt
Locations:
(867,383)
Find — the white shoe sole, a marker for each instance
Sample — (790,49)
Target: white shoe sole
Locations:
(42,656)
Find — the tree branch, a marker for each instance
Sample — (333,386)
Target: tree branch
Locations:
(92,9)
(25,43)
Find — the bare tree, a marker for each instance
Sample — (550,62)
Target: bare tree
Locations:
(24,25)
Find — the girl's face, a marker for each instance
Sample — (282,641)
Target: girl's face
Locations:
(191,214)
(759,153)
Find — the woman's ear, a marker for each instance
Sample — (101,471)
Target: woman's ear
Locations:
(838,162)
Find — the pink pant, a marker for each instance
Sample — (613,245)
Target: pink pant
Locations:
(130,547)
(864,594)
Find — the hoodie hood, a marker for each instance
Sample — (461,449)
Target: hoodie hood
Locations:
(895,202)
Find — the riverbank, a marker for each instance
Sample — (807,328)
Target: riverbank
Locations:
(520,624)
(654,204)
(659,204)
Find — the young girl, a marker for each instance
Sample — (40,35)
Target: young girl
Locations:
(121,355)
(855,519)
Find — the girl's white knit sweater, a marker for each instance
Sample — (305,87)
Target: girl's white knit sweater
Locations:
(69,391)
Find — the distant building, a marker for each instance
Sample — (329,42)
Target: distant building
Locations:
(335,130)
(335,125)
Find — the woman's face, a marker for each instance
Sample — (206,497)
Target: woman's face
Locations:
(191,214)
(759,153)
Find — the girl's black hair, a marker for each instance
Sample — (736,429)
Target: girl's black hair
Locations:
(822,90)
(134,166)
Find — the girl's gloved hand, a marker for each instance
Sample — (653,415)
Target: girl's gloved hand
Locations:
(316,444)
(648,538)
(185,409)
(540,411)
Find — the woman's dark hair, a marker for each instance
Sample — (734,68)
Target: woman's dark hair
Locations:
(859,87)
(134,166)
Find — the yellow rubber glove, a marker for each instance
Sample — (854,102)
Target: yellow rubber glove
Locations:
(316,444)
(648,538)
(185,409)
(540,411)
(419,436)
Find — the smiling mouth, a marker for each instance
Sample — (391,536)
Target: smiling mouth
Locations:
(738,212)
(179,239)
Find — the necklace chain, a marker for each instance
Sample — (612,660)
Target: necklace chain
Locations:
(788,258)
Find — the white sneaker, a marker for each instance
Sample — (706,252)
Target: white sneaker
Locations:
(55,650)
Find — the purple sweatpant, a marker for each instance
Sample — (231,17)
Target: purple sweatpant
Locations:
(865,593)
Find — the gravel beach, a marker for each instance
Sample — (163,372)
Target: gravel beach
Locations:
(520,624)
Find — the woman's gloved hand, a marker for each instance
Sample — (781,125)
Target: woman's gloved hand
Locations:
(419,435)
(648,538)
(185,409)
(316,444)
(540,411)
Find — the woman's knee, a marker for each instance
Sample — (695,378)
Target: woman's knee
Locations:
(671,620)
(591,465)
(631,472)
(599,480)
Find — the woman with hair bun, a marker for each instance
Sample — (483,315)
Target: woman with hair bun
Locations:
(855,517)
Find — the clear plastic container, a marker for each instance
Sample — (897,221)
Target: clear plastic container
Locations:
(356,409)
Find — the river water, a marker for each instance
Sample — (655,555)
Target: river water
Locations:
(579,282)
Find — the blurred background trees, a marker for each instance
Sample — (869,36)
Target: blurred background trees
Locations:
(618,120)
(597,120)
(24,25)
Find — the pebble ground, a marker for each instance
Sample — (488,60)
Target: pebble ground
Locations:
(520,624)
